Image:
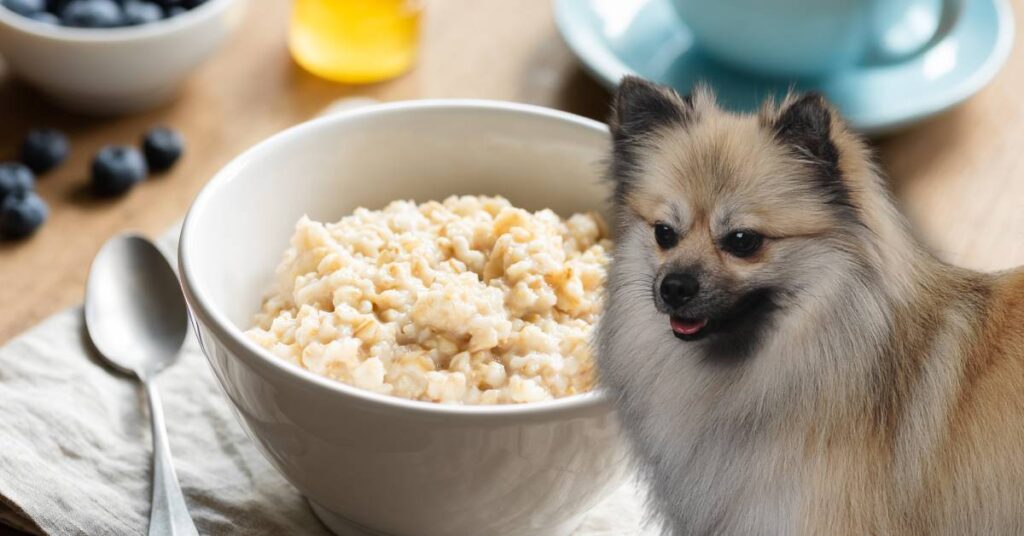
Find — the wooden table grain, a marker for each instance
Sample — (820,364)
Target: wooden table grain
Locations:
(960,176)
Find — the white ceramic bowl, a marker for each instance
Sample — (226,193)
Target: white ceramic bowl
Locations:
(114,70)
(370,463)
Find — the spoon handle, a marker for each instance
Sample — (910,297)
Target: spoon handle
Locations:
(168,514)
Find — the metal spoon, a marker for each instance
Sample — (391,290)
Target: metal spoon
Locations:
(136,318)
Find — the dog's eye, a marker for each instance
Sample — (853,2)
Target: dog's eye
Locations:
(665,236)
(742,243)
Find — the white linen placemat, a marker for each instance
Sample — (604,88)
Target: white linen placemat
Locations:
(75,447)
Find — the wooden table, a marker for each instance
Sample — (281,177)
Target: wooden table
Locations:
(960,176)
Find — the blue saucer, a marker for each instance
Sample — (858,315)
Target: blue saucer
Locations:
(614,38)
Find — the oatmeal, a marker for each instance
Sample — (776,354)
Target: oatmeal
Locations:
(470,300)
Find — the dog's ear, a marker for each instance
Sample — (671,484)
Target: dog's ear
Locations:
(640,107)
(805,124)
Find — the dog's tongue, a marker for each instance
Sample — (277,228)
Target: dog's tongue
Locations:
(687,327)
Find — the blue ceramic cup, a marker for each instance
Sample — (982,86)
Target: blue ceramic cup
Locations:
(808,38)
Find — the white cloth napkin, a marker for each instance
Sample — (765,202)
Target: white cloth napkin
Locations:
(75,448)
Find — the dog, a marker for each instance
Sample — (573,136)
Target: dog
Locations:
(784,356)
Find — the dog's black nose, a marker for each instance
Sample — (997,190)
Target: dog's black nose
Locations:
(677,289)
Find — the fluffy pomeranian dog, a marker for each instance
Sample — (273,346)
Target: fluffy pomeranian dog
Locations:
(784,356)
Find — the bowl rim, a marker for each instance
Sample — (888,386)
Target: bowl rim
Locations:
(120,34)
(242,347)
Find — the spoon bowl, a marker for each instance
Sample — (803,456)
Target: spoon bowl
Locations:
(134,310)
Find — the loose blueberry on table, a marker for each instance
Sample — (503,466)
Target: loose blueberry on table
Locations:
(43,149)
(162,147)
(116,168)
(22,214)
(21,210)
(15,179)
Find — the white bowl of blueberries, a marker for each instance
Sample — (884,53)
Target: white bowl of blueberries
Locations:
(111,56)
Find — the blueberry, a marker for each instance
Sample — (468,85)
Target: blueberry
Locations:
(91,14)
(115,169)
(21,214)
(139,12)
(162,147)
(26,8)
(174,11)
(45,17)
(43,149)
(56,6)
(15,179)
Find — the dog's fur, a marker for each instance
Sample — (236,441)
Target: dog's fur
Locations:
(857,385)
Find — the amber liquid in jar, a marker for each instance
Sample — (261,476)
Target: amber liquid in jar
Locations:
(355,41)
